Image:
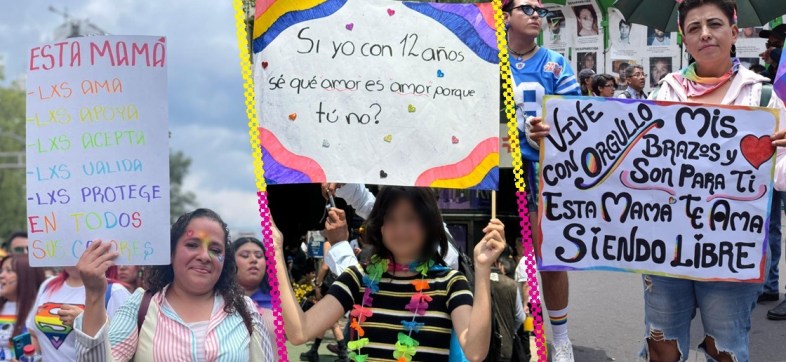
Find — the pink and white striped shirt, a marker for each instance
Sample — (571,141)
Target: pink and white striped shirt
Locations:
(165,337)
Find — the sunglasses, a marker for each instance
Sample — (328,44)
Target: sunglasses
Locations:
(19,250)
(529,10)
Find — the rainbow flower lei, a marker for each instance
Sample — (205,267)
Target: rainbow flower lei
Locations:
(406,346)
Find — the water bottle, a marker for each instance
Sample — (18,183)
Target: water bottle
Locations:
(29,354)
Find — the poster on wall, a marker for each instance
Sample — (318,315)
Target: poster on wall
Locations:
(588,44)
(633,44)
(662,55)
(559,29)
(625,40)
(376,92)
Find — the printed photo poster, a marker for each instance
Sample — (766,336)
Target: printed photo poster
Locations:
(588,44)
(98,149)
(662,56)
(377,92)
(625,47)
(559,29)
(750,45)
(662,188)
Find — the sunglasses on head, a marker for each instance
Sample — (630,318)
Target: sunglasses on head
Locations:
(528,10)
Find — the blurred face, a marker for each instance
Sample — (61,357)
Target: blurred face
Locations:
(199,256)
(250,265)
(7,280)
(624,30)
(607,90)
(659,34)
(586,19)
(659,71)
(589,62)
(709,36)
(18,245)
(402,231)
(128,274)
(636,81)
(521,23)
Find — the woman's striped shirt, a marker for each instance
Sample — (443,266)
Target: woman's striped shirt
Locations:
(166,337)
(447,288)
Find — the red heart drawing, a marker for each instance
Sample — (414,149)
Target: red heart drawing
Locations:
(756,150)
(391,12)
(264,65)
(455,140)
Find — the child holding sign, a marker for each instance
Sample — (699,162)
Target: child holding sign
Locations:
(406,301)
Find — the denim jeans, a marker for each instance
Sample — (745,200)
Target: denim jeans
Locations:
(724,307)
(775,240)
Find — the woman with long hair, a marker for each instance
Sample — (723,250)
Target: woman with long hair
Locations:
(252,277)
(404,304)
(715,76)
(193,308)
(19,285)
(60,300)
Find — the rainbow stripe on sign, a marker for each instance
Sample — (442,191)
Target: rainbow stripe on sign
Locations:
(273,17)
(484,175)
(283,166)
(474,25)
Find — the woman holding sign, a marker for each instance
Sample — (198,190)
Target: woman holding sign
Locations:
(193,309)
(715,77)
(406,301)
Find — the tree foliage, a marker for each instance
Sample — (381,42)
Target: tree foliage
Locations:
(12,180)
(180,201)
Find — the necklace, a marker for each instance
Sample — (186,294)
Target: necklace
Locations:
(406,346)
(520,56)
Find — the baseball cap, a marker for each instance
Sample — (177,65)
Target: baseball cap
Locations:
(778,31)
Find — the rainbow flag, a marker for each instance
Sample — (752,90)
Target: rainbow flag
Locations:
(780,79)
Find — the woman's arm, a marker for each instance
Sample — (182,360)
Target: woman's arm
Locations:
(301,327)
(473,324)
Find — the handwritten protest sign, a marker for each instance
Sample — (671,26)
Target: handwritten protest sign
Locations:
(656,188)
(381,92)
(98,149)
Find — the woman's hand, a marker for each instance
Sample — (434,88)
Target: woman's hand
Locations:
(491,246)
(93,264)
(278,237)
(537,129)
(68,313)
(779,139)
(330,189)
(336,226)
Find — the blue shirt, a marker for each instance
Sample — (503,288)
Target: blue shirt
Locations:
(262,299)
(546,73)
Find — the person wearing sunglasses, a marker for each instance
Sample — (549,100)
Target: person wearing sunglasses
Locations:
(636,79)
(16,243)
(537,72)
(603,85)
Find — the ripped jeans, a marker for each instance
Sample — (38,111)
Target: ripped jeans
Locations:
(725,309)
